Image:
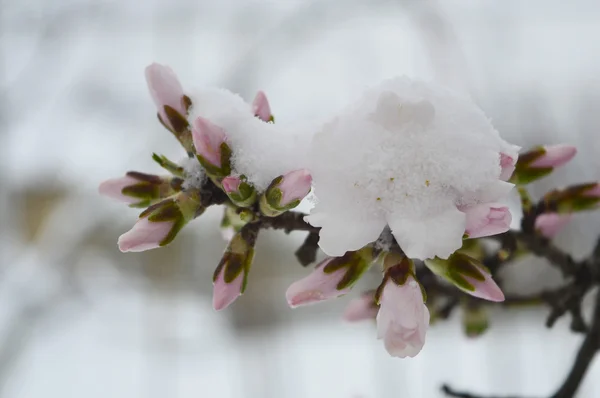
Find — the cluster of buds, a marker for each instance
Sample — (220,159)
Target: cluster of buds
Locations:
(557,206)
(173,200)
(209,175)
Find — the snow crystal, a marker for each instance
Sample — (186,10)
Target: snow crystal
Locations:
(261,150)
(404,155)
(194,173)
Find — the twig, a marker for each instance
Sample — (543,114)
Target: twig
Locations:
(446,389)
(587,351)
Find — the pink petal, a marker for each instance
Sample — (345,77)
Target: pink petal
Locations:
(593,192)
(231,184)
(144,235)
(113,188)
(207,140)
(507,165)
(165,89)
(486,219)
(226,293)
(261,108)
(554,156)
(486,289)
(362,308)
(549,224)
(295,185)
(315,287)
(402,319)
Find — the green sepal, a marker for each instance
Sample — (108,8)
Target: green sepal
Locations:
(213,170)
(456,268)
(238,257)
(169,165)
(356,264)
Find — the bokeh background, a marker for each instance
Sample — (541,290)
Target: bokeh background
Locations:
(80,319)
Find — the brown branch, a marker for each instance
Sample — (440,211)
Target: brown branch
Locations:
(307,252)
(587,351)
(289,221)
(446,389)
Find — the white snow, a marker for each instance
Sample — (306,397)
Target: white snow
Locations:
(405,154)
(261,151)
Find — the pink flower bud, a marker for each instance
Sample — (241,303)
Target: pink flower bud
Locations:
(208,140)
(468,274)
(486,219)
(362,308)
(145,235)
(231,274)
(593,192)
(549,224)
(507,165)
(554,156)
(226,293)
(231,184)
(165,89)
(403,318)
(317,286)
(294,186)
(113,188)
(261,108)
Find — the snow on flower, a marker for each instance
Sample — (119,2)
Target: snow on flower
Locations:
(408,154)
(261,151)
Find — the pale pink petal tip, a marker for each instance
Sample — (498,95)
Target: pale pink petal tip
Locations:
(486,220)
(165,89)
(144,235)
(226,293)
(261,108)
(487,290)
(555,156)
(315,287)
(207,139)
(361,309)
(507,166)
(295,185)
(231,184)
(549,224)
(402,319)
(593,192)
(113,189)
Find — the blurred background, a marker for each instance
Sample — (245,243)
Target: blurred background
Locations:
(80,319)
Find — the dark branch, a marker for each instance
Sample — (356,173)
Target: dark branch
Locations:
(446,389)
(586,354)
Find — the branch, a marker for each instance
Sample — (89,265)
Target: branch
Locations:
(446,389)
(587,351)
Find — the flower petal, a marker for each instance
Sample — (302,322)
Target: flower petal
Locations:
(439,235)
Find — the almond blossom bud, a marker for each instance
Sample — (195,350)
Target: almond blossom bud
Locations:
(486,219)
(541,161)
(403,318)
(474,319)
(285,192)
(574,198)
(240,192)
(140,189)
(231,274)
(468,274)
(212,150)
(549,224)
(331,278)
(362,308)
(261,108)
(160,223)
